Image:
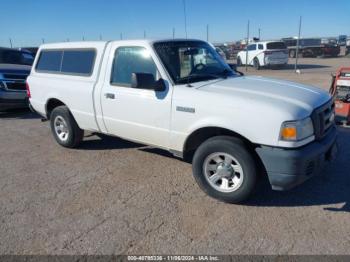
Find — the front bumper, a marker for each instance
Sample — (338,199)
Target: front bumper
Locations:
(11,100)
(287,168)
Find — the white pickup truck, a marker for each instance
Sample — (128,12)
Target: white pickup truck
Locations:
(232,127)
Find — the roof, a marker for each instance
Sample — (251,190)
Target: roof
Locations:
(87,44)
(265,42)
(8,48)
(14,49)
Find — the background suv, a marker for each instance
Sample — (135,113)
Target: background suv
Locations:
(15,67)
(264,54)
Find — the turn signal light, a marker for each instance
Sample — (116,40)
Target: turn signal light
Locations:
(289,133)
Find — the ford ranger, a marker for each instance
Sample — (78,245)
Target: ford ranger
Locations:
(232,127)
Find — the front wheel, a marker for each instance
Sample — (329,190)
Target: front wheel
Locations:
(64,127)
(225,169)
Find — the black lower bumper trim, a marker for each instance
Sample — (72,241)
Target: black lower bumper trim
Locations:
(287,168)
(13,103)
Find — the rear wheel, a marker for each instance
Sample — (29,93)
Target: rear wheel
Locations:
(64,127)
(256,63)
(225,169)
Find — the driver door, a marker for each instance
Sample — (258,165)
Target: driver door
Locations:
(141,115)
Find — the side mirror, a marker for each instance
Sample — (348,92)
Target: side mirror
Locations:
(233,67)
(146,81)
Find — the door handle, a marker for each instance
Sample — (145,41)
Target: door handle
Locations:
(110,96)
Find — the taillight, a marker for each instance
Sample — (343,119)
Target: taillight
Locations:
(28,90)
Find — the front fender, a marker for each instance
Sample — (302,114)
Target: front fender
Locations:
(179,139)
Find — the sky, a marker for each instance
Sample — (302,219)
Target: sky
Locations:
(29,22)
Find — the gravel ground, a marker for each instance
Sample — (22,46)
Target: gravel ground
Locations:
(111,196)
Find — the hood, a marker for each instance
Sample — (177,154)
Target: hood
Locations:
(14,69)
(270,90)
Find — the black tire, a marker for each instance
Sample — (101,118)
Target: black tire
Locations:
(239,61)
(292,53)
(235,148)
(279,67)
(256,63)
(61,114)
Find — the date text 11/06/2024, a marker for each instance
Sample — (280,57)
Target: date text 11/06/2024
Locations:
(173,258)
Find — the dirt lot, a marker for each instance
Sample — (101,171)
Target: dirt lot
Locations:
(115,197)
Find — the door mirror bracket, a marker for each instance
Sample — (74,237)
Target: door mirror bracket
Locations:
(147,81)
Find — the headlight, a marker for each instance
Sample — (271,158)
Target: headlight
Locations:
(297,130)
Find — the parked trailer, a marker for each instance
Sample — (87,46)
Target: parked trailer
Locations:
(311,47)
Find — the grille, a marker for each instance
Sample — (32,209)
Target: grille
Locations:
(17,86)
(323,119)
(14,82)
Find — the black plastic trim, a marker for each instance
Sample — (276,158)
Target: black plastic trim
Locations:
(287,168)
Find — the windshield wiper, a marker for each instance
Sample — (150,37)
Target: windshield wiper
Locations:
(186,79)
(226,72)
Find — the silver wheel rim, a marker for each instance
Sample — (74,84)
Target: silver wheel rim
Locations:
(61,128)
(223,172)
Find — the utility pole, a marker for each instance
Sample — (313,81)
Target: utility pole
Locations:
(121,36)
(144,34)
(43,40)
(246,49)
(297,52)
(100,37)
(83,38)
(259,34)
(10,42)
(185,16)
(173,32)
(207,33)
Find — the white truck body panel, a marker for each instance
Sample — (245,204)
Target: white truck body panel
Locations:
(140,115)
(75,91)
(253,107)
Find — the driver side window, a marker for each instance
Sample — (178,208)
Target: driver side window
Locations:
(128,60)
(251,47)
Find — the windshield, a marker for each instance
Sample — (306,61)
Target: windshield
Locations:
(276,45)
(191,61)
(15,57)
